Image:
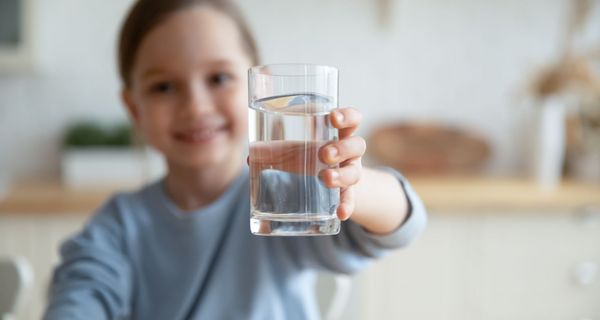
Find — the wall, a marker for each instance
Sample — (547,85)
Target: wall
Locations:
(460,61)
(74,77)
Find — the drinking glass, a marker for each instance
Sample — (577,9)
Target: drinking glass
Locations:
(288,123)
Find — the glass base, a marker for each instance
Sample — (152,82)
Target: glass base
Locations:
(279,225)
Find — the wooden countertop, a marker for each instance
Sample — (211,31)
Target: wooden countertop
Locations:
(509,194)
(439,194)
(51,197)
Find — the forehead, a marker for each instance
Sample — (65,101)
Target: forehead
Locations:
(190,38)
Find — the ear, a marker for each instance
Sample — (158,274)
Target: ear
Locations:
(132,108)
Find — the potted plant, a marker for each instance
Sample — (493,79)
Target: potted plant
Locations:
(97,154)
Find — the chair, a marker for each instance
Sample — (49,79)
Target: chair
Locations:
(15,277)
(334,295)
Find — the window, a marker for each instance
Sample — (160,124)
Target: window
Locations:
(15,35)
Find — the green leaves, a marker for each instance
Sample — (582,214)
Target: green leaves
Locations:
(90,134)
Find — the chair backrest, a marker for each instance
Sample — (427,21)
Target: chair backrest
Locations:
(333,292)
(15,277)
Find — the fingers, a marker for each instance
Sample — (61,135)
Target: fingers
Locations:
(346,120)
(346,207)
(339,151)
(343,177)
(348,151)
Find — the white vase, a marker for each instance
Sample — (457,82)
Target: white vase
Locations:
(549,148)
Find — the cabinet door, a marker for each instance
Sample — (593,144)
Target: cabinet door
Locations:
(431,279)
(491,266)
(540,266)
(36,238)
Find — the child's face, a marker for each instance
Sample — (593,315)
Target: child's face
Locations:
(188,94)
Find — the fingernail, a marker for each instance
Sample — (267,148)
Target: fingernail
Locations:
(339,117)
(335,175)
(333,152)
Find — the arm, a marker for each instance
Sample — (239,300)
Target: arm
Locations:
(373,199)
(356,246)
(381,203)
(385,212)
(93,280)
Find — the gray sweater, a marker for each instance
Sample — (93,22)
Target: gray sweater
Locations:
(140,257)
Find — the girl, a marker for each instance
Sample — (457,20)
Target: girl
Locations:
(181,248)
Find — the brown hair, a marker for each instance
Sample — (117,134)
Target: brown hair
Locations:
(147,14)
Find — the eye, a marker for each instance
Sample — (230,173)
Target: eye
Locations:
(162,87)
(219,79)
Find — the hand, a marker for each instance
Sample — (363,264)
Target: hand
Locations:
(347,152)
(290,156)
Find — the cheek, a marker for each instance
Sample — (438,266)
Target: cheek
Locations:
(155,122)
(240,119)
(242,114)
(154,119)
(242,103)
(244,123)
(237,112)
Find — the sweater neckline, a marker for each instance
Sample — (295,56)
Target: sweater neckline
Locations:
(223,201)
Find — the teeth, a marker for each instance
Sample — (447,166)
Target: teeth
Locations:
(204,134)
(199,135)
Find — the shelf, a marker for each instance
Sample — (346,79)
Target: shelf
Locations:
(456,195)
(510,194)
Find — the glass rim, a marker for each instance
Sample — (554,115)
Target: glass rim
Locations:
(315,68)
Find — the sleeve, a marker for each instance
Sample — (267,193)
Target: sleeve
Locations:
(93,281)
(354,247)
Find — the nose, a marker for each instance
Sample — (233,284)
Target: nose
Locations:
(198,100)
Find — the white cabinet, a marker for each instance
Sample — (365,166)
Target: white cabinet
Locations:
(531,266)
(471,266)
(491,266)
(37,238)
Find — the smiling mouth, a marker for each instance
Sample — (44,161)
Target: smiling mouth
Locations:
(200,135)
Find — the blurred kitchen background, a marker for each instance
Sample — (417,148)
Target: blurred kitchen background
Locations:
(491,107)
